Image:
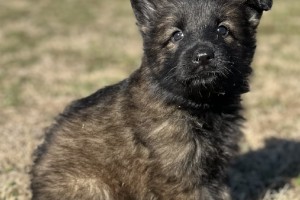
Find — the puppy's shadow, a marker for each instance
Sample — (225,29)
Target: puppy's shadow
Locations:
(272,167)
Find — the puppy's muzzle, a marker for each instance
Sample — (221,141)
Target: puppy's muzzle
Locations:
(202,56)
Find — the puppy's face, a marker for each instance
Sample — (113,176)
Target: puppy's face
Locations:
(193,45)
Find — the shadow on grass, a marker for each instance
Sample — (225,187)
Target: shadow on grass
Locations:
(270,168)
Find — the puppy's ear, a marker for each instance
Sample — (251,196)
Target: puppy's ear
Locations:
(144,11)
(256,8)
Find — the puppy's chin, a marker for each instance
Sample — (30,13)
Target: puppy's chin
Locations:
(203,77)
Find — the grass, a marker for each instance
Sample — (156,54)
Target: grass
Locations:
(52,52)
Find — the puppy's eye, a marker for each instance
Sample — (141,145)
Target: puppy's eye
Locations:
(177,36)
(223,31)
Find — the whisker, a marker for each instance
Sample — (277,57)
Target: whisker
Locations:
(168,75)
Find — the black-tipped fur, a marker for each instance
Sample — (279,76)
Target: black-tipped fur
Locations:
(168,131)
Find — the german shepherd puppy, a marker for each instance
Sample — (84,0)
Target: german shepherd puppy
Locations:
(168,131)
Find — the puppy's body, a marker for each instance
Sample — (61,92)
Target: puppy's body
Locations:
(168,130)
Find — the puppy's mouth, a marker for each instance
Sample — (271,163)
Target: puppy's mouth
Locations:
(203,74)
(205,77)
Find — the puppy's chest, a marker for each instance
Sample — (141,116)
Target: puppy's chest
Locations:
(181,144)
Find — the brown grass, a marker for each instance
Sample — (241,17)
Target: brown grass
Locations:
(52,52)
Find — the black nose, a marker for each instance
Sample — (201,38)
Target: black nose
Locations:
(203,56)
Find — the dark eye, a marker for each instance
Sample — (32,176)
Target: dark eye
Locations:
(223,31)
(177,36)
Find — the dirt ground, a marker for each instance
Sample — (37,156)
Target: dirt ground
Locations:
(55,51)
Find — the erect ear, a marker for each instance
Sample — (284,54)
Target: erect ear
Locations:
(256,8)
(144,11)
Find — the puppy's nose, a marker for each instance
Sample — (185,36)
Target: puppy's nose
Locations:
(203,56)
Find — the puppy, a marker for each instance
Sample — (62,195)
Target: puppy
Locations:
(168,131)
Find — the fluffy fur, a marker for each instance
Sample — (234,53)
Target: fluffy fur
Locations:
(168,131)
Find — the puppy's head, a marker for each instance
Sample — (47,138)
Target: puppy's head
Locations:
(196,45)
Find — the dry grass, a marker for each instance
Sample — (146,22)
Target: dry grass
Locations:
(54,51)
